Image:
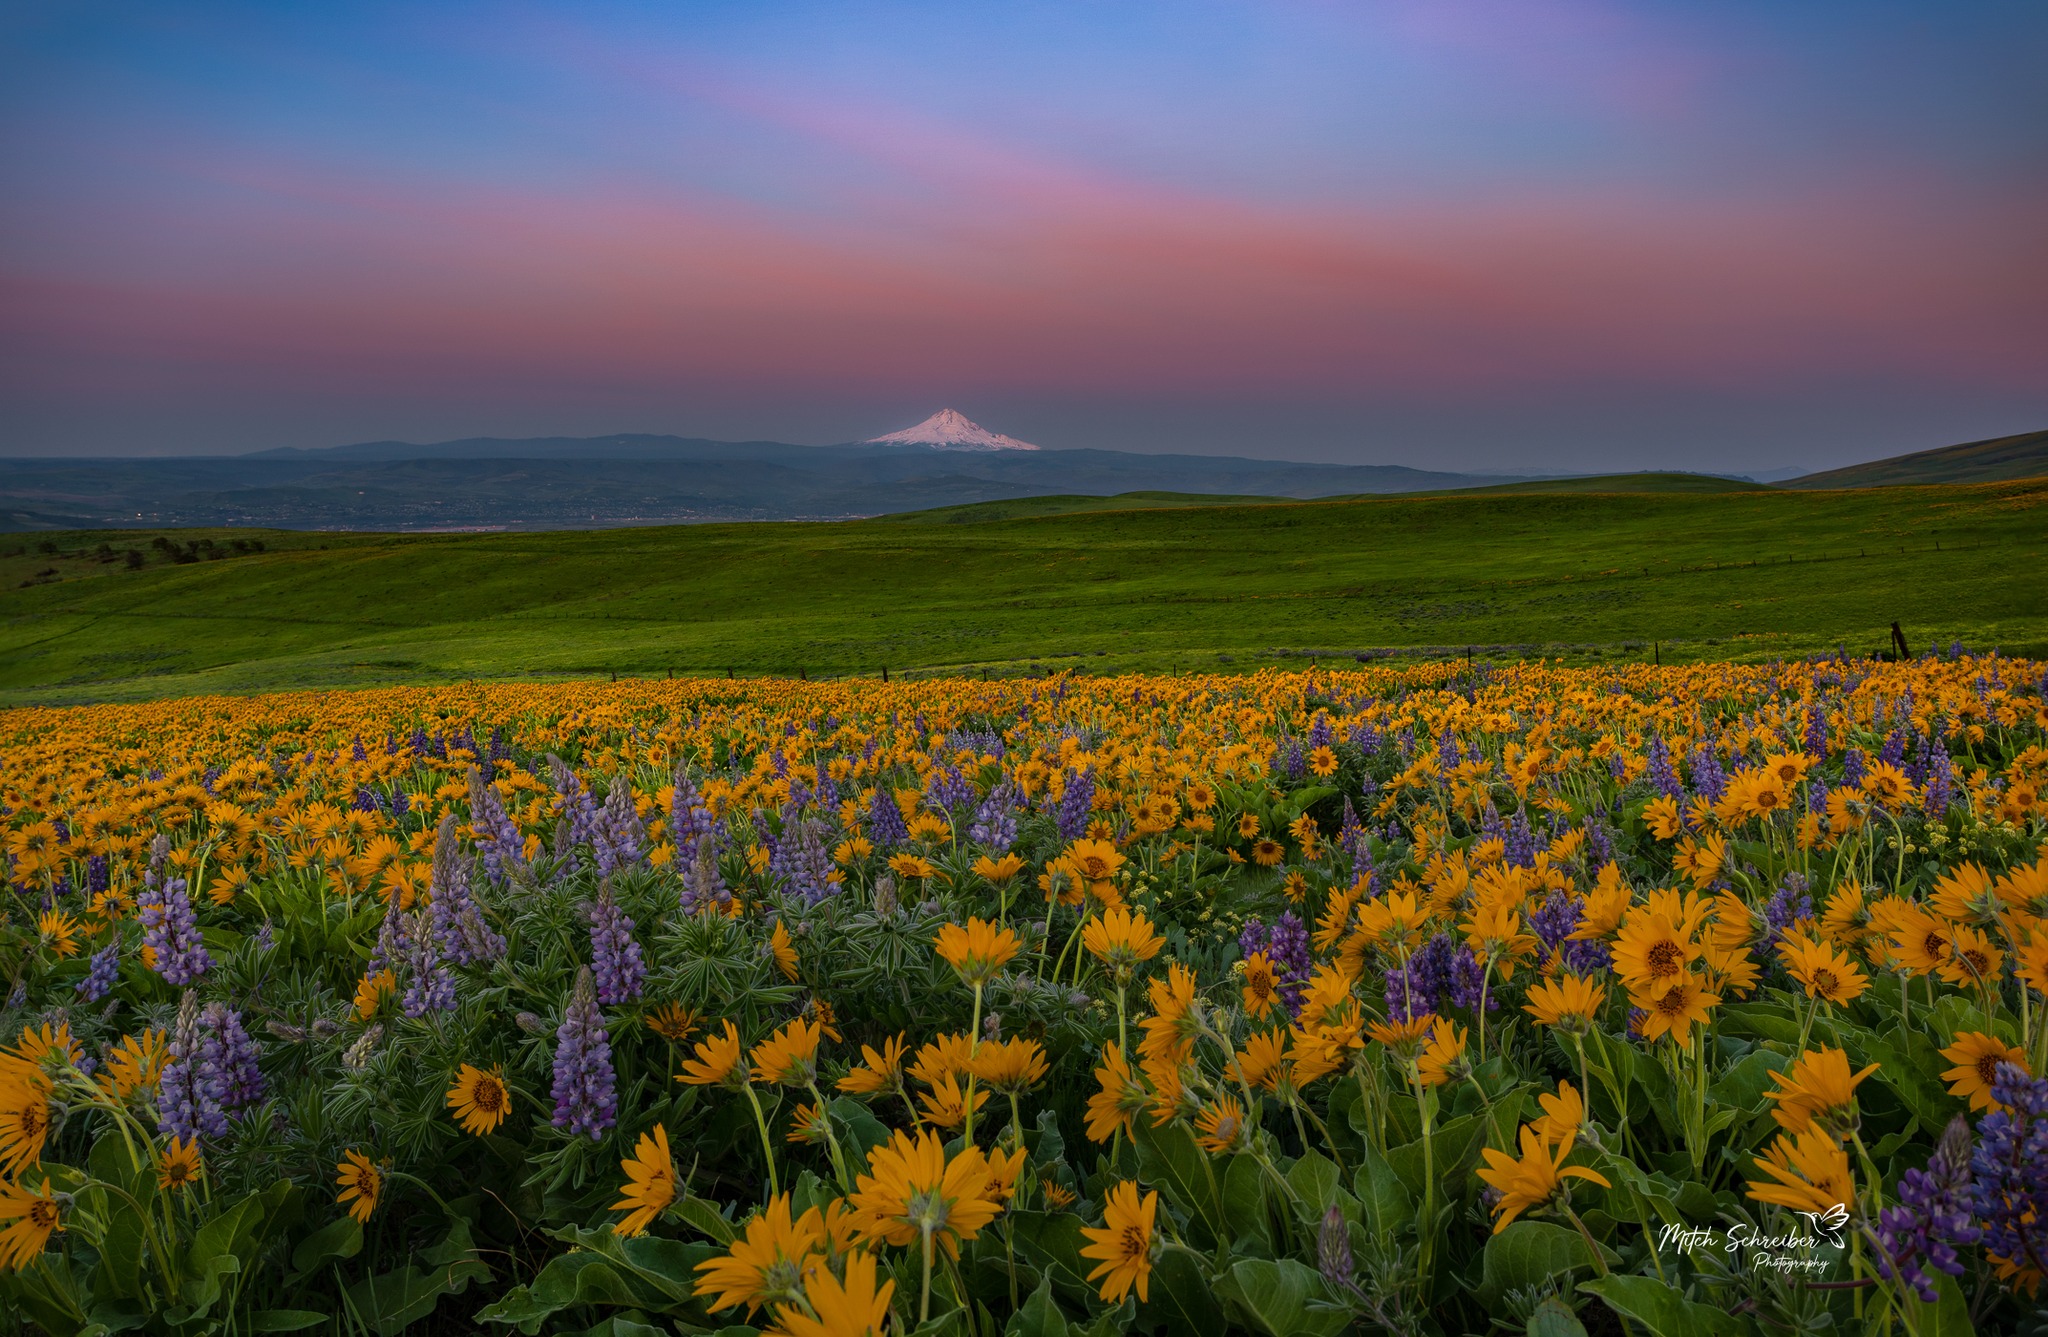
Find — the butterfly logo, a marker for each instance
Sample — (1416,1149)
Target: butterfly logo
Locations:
(1828,1224)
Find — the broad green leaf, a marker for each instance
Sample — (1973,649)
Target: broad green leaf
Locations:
(1038,1316)
(284,1320)
(1179,1298)
(342,1238)
(1664,1311)
(1274,1298)
(1245,1194)
(1314,1179)
(1743,1086)
(1169,1160)
(1527,1253)
(1554,1318)
(1388,1204)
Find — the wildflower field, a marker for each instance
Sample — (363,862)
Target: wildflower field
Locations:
(1703,1000)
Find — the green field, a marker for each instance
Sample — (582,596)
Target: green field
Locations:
(1735,574)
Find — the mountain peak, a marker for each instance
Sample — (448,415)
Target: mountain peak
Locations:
(949,429)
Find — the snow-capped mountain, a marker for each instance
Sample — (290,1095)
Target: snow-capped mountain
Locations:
(949,429)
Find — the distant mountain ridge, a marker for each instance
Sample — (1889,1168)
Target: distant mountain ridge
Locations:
(1997,460)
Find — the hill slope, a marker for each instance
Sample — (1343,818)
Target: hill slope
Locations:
(1738,573)
(2021,456)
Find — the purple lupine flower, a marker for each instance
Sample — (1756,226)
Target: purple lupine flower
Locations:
(1707,776)
(947,790)
(579,809)
(688,816)
(803,861)
(265,937)
(615,957)
(1467,980)
(1894,749)
(585,1098)
(192,1092)
(171,931)
(367,800)
(1599,843)
(98,877)
(430,987)
(1816,739)
(388,952)
(995,821)
(1290,760)
(622,838)
(1556,919)
(1075,804)
(1447,751)
(1787,906)
(496,835)
(459,928)
(1854,768)
(1366,738)
(1929,1220)
(1319,732)
(1521,842)
(106,966)
(703,885)
(1940,785)
(886,826)
(1663,776)
(2007,1192)
(1419,985)
(237,1056)
(1351,839)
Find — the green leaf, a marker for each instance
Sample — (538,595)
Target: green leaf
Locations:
(1554,1318)
(284,1320)
(1526,1254)
(1179,1298)
(1274,1298)
(1743,1085)
(337,1239)
(1169,1160)
(1388,1204)
(1244,1203)
(390,1301)
(863,1130)
(1315,1179)
(1662,1310)
(695,1211)
(1038,1316)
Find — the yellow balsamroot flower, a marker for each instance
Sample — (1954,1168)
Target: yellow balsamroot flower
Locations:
(1122,1244)
(912,1189)
(178,1164)
(1564,1114)
(720,1061)
(911,865)
(1094,863)
(1825,973)
(1261,987)
(790,1056)
(879,1074)
(650,1183)
(942,1057)
(769,1262)
(1809,1172)
(1977,1056)
(371,991)
(1171,1029)
(1533,1180)
(1819,1088)
(946,1105)
(1119,1099)
(480,1099)
(1568,1003)
(784,950)
(360,1182)
(59,932)
(24,1116)
(1221,1128)
(978,951)
(1970,960)
(672,1021)
(1676,1009)
(1121,938)
(1259,1062)
(997,871)
(1443,1061)
(135,1063)
(1652,952)
(852,1306)
(28,1217)
(1010,1067)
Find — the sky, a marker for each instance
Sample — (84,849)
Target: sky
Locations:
(1468,234)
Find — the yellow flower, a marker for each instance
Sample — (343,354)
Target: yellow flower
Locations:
(134,1064)
(946,1106)
(768,1263)
(1261,987)
(1322,762)
(1405,1038)
(911,865)
(1810,1170)
(784,950)
(370,992)
(59,932)
(997,871)
(853,1307)
(790,1056)
(1119,1099)
(1094,863)
(1220,1128)
(1568,1003)
(911,1188)
(1534,1179)
(1267,852)
(879,1073)
(361,1183)
(1825,973)
(480,1099)
(720,1061)
(978,951)
(24,1116)
(1011,1066)
(178,1165)
(1444,1061)
(942,1057)
(1122,1244)
(31,1216)
(1651,952)
(1977,1056)
(650,1183)
(1563,1114)
(1121,938)
(1679,1007)
(1970,959)
(1820,1088)
(672,1021)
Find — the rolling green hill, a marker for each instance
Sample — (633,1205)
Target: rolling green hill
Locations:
(1020,508)
(1712,574)
(2021,456)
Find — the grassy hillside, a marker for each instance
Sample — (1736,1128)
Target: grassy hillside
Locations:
(2021,456)
(1646,481)
(1021,508)
(1739,574)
